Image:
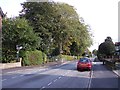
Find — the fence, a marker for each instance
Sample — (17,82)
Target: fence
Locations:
(110,61)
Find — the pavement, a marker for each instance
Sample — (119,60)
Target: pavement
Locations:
(117,71)
(45,65)
(102,77)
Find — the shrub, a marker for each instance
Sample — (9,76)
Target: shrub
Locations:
(62,57)
(34,58)
(66,57)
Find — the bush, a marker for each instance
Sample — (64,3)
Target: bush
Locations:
(61,57)
(66,57)
(8,56)
(78,57)
(34,58)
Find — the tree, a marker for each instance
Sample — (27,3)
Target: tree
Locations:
(74,49)
(57,24)
(17,31)
(40,16)
(107,48)
(94,52)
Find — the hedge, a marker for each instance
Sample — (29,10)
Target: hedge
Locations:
(64,57)
(34,58)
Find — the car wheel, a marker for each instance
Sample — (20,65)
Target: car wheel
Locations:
(78,69)
(89,69)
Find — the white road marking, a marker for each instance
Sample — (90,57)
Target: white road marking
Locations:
(55,80)
(91,75)
(42,88)
(21,75)
(49,83)
(4,79)
(59,77)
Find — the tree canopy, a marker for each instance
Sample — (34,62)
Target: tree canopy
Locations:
(94,52)
(107,47)
(58,25)
(17,31)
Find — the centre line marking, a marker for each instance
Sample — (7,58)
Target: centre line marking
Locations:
(21,75)
(55,80)
(59,77)
(43,87)
(91,75)
(49,83)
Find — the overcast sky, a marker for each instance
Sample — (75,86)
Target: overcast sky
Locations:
(100,15)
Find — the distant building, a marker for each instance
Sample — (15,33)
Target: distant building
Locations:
(117,47)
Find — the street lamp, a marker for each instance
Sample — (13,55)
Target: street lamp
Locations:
(18,49)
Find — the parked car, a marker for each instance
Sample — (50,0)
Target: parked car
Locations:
(84,63)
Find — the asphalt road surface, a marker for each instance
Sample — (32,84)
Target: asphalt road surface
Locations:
(60,76)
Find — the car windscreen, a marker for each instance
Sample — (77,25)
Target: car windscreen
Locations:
(83,60)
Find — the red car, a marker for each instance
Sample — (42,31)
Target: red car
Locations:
(84,63)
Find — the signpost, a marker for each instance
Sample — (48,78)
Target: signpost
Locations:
(18,50)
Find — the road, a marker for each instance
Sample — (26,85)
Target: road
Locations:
(60,76)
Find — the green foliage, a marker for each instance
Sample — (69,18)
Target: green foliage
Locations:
(17,31)
(107,48)
(58,26)
(77,49)
(62,57)
(74,49)
(55,52)
(78,57)
(67,57)
(34,58)
(53,28)
(94,52)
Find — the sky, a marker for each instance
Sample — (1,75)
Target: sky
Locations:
(100,15)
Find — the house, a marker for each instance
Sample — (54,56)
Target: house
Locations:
(117,47)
